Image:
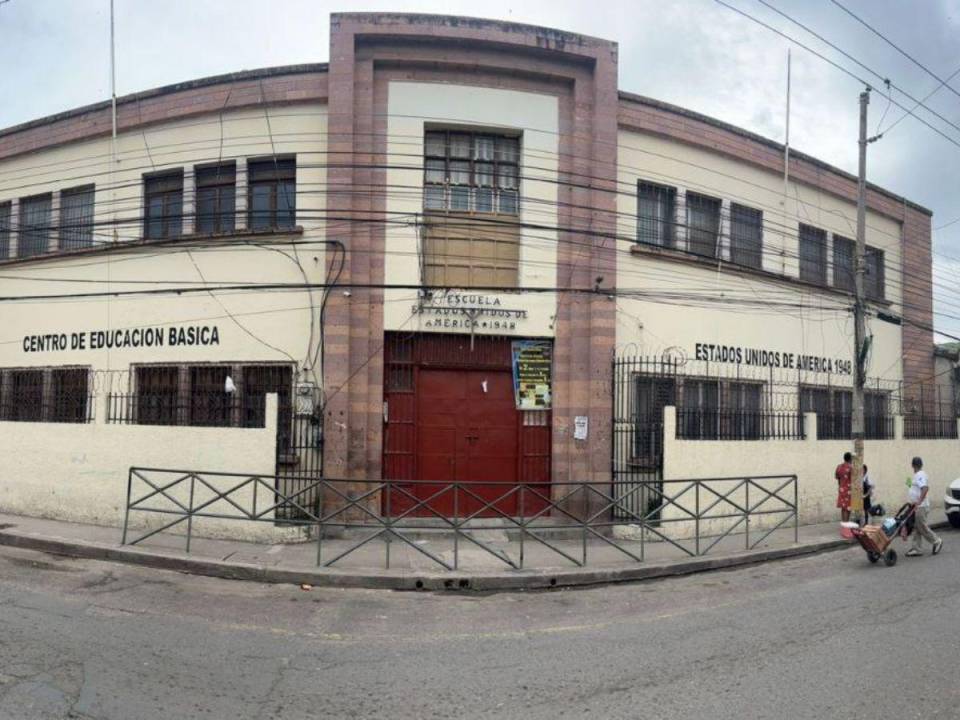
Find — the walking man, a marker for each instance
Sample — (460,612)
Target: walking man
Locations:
(919,488)
(843,475)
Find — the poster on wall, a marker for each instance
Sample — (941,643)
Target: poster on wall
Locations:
(532,374)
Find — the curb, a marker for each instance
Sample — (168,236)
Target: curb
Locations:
(403,580)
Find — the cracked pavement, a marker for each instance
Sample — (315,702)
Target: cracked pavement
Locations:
(817,637)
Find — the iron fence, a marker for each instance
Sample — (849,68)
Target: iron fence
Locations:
(839,426)
(692,515)
(930,427)
(197,409)
(709,424)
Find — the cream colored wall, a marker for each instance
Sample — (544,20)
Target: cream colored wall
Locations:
(411,107)
(79,473)
(266,325)
(813,462)
(744,310)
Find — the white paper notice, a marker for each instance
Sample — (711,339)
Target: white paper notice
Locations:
(580,427)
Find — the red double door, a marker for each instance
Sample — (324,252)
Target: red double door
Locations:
(450,417)
(467,433)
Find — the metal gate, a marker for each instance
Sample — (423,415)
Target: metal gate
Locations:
(299,465)
(642,387)
(299,459)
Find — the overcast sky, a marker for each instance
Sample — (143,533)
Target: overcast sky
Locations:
(691,52)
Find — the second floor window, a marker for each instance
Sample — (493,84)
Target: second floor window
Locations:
(163,203)
(216,188)
(6,211)
(873,280)
(76,218)
(813,254)
(34,225)
(843,254)
(703,224)
(655,214)
(746,236)
(471,172)
(272,193)
(844,278)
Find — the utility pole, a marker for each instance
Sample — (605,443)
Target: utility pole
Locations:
(859,322)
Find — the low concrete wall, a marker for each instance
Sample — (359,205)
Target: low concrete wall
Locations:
(812,461)
(79,472)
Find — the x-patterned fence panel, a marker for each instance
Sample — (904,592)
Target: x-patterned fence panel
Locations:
(578,522)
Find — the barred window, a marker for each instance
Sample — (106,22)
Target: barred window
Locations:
(746,236)
(23,396)
(742,419)
(272,193)
(258,381)
(197,395)
(652,395)
(701,408)
(163,203)
(34,225)
(6,213)
(656,207)
(471,172)
(844,250)
(834,409)
(76,218)
(216,191)
(210,403)
(70,395)
(59,395)
(157,395)
(813,254)
(703,224)
(873,282)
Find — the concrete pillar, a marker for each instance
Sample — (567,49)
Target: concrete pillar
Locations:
(898,427)
(810,427)
(669,424)
(101,407)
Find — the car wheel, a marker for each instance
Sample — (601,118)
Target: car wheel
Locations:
(890,559)
(954,519)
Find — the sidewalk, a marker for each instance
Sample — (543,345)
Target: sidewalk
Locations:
(411,569)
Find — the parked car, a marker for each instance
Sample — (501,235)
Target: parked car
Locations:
(951,502)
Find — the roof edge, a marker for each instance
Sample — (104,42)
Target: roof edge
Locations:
(454,21)
(693,115)
(240,76)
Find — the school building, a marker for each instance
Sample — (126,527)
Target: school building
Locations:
(456,252)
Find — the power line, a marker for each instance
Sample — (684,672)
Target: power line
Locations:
(842,69)
(868,26)
(883,78)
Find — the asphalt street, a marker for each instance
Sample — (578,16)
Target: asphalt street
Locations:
(828,636)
